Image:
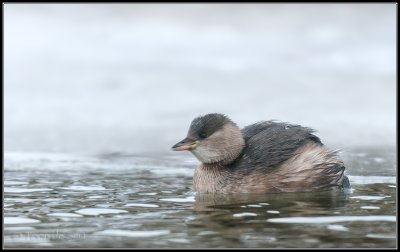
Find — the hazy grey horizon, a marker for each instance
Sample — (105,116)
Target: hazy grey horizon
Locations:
(131,77)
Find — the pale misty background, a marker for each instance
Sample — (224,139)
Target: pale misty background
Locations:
(129,78)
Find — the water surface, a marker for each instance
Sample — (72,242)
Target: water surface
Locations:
(128,201)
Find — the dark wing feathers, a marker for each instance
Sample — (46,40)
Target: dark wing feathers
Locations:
(270,143)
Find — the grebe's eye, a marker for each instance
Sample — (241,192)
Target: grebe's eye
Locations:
(202,136)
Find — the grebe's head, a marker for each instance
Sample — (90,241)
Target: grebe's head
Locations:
(213,138)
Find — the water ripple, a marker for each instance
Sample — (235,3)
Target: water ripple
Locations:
(128,233)
(329,219)
(19,220)
(98,211)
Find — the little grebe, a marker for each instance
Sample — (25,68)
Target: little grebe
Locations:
(261,158)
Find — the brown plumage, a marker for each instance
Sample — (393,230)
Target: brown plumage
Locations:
(265,157)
